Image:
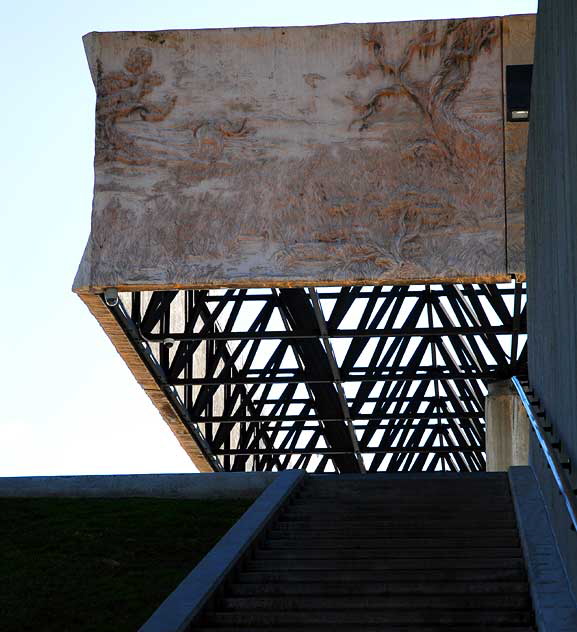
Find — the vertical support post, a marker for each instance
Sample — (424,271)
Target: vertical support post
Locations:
(507,428)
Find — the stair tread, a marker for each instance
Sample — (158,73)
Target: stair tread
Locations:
(294,529)
(330,587)
(426,553)
(352,553)
(414,616)
(387,564)
(378,508)
(364,628)
(298,603)
(387,541)
(349,576)
(424,525)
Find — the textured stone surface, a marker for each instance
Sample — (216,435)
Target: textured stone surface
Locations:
(342,154)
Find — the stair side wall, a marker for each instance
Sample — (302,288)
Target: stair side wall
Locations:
(551,246)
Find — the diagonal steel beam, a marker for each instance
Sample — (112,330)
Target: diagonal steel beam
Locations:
(299,311)
(336,375)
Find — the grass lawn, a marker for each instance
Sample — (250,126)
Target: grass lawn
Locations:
(100,564)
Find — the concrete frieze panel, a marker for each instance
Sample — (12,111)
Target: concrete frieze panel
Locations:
(291,156)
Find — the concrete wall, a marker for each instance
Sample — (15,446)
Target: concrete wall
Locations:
(214,485)
(554,606)
(551,243)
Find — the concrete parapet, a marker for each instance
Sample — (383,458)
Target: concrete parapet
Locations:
(214,485)
(185,603)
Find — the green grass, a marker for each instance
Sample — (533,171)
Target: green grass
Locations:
(100,564)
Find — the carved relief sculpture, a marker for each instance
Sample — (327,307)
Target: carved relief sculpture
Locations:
(122,95)
(339,154)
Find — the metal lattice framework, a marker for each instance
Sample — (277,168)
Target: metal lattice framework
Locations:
(332,379)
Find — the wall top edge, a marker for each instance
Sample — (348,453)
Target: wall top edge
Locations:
(265,284)
(161,37)
(160,32)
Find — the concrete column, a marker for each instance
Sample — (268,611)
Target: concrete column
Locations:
(507,427)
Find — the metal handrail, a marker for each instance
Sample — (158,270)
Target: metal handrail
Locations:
(559,475)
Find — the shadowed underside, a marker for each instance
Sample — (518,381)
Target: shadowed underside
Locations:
(329,379)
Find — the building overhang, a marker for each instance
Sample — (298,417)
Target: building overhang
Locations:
(346,155)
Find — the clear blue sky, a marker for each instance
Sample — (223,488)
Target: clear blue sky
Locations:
(68,404)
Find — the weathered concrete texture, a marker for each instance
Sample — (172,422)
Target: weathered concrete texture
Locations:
(287,156)
(554,605)
(214,485)
(507,427)
(518,46)
(551,241)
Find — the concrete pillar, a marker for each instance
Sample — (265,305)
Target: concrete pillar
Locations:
(507,427)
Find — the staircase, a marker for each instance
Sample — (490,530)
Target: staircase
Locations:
(354,552)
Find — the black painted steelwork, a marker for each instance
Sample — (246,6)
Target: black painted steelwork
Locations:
(348,379)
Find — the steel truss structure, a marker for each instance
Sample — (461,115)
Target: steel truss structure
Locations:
(347,379)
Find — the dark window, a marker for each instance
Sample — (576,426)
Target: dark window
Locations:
(519,92)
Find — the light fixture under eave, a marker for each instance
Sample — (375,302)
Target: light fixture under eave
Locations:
(519,115)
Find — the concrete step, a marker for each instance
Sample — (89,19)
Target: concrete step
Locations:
(463,488)
(400,488)
(299,603)
(351,577)
(290,529)
(392,587)
(363,617)
(386,553)
(466,492)
(401,494)
(337,506)
(383,511)
(407,563)
(364,628)
(415,479)
(288,540)
(392,509)
(401,522)
(392,553)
